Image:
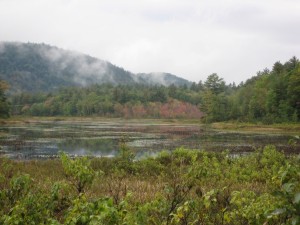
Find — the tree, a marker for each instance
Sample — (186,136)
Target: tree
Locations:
(291,64)
(294,90)
(4,105)
(159,94)
(278,67)
(215,83)
(214,102)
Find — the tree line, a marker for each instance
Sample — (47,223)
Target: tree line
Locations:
(4,104)
(134,101)
(272,96)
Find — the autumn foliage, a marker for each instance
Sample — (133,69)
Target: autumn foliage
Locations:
(171,109)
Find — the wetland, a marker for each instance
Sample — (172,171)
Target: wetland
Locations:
(42,138)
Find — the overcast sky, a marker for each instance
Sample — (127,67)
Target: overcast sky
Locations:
(189,38)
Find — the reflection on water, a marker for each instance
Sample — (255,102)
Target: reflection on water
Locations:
(46,139)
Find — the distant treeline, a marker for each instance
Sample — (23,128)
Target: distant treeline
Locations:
(133,101)
(270,96)
(4,104)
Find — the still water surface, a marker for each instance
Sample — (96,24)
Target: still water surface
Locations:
(101,138)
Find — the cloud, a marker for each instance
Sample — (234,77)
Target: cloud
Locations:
(189,38)
(83,67)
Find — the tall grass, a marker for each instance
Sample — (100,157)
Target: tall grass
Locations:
(179,187)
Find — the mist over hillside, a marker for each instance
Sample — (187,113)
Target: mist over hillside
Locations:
(40,67)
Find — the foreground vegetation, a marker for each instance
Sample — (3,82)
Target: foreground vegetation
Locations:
(182,187)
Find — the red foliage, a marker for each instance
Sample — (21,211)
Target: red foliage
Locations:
(172,109)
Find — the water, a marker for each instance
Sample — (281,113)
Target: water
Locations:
(102,138)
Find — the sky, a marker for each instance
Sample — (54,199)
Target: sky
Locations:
(189,38)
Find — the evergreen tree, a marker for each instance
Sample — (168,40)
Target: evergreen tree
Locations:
(4,105)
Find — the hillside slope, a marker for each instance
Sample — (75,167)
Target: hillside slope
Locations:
(40,67)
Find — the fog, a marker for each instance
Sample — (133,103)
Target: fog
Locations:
(190,38)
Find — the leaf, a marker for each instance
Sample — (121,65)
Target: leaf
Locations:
(278,211)
(288,188)
(296,220)
(297,198)
(227,218)
(277,193)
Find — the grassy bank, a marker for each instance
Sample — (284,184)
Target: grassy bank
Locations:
(28,119)
(294,127)
(257,127)
(182,187)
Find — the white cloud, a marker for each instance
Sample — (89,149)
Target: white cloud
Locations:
(191,38)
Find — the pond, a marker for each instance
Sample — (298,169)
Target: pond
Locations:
(45,139)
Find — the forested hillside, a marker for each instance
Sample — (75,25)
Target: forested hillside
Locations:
(42,68)
(272,96)
(138,101)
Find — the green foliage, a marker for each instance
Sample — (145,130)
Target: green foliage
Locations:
(288,192)
(19,187)
(248,208)
(270,97)
(215,84)
(100,211)
(60,197)
(132,101)
(31,209)
(186,187)
(4,104)
(124,161)
(78,171)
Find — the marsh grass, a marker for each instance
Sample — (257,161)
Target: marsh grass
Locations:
(178,187)
(258,127)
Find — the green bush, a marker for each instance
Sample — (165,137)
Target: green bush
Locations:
(78,171)
(175,188)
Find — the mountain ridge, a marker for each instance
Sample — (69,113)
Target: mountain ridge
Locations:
(31,67)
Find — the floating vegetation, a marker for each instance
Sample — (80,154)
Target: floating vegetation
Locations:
(101,138)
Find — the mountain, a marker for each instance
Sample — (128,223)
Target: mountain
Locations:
(165,79)
(39,67)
